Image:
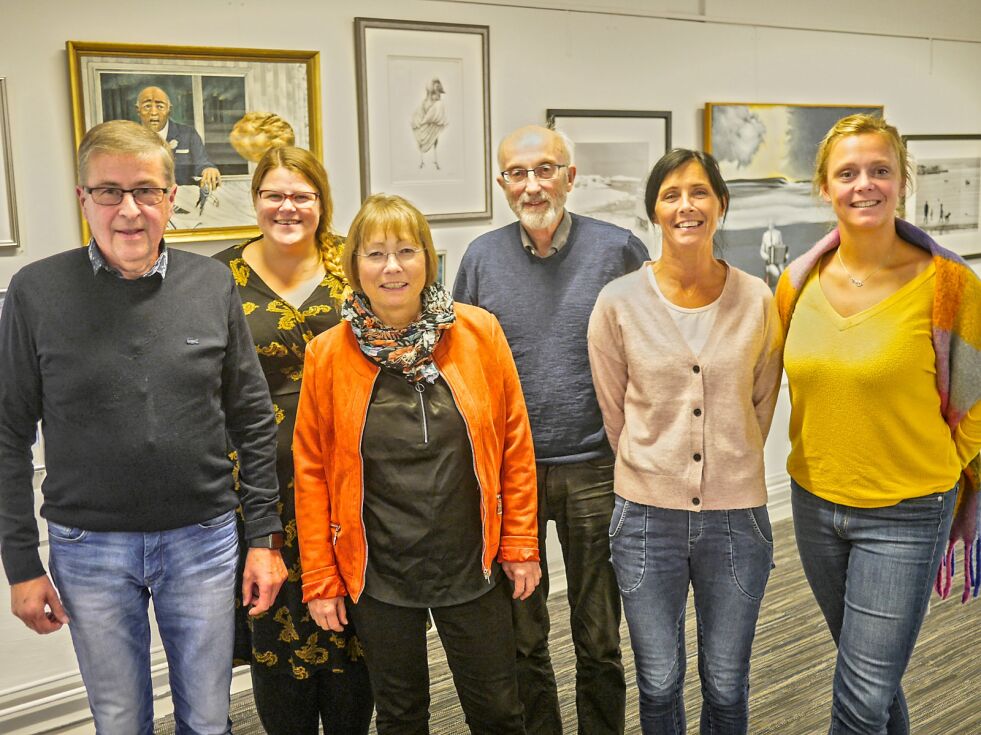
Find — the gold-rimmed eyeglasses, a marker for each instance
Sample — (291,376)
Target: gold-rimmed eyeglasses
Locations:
(380,257)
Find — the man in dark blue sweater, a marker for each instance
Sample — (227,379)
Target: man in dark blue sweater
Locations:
(540,276)
(139,364)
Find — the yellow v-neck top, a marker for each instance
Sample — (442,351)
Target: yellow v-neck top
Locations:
(865,422)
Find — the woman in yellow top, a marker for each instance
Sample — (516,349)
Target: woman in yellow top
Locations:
(885,415)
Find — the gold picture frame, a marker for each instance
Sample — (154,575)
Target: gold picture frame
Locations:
(211,91)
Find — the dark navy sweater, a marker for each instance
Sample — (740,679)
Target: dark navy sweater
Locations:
(139,386)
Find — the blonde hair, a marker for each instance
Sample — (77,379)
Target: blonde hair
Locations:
(303,162)
(391,215)
(859,124)
(257,132)
(123,138)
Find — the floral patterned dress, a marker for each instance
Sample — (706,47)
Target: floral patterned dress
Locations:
(285,637)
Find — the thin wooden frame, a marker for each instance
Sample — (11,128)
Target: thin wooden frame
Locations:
(944,196)
(614,153)
(104,79)
(404,69)
(9,235)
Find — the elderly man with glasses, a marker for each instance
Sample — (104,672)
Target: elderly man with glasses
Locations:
(138,363)
(540,276)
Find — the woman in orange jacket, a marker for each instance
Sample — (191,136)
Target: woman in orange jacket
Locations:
(415,479)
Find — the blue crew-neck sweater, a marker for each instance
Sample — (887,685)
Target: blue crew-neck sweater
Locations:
(543,305)
(139,386)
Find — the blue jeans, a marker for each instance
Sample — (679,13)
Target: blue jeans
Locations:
(871,572)
(726,557)
(106,580)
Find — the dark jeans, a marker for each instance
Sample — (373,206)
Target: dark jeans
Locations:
(871,571)
(479,643)
(579,498)
(725,556)
(288,706)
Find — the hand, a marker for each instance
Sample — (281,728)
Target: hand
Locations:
(525,575)
(264,574)
(37,604)
(329,613)
(210,177)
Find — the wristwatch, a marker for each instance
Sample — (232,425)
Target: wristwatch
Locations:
(269,541)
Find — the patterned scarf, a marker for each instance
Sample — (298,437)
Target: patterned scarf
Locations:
(409,350)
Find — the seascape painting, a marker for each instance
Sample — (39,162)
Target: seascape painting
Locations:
(610,184)
(766,154)
(947,194)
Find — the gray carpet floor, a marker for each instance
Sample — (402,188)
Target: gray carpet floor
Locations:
(793,661)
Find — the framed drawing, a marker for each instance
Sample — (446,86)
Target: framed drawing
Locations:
(766,154)
(424,115)
(219,109)
(8,202)
(614,153)
(944,197)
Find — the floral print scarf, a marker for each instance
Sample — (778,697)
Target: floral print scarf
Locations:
(410,350)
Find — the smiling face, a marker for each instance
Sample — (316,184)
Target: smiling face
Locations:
(687,208)
(864,181)
(128,234)
(394,287)
(153,106)
(285,225)
(539,204)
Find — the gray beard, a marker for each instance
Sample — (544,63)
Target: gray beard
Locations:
(541,220)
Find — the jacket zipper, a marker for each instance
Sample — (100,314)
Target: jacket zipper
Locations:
(473,455)
(364,531)
(420,389)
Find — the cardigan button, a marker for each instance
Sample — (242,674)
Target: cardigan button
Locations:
(696,501)
(697,457)
(695,369)
(697,412)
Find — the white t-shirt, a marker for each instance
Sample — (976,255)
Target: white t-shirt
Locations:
(694,324)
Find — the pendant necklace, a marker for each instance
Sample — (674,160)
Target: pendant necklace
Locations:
(857,282)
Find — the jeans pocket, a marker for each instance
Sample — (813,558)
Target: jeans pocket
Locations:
(628,544)
(65,534)
(218,521)
(751,540)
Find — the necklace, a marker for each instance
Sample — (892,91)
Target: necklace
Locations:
(857,282)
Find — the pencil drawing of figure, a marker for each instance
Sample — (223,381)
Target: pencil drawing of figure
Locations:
(429,120)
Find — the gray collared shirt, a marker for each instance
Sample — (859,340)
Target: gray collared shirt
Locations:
(559,238)
(98,261)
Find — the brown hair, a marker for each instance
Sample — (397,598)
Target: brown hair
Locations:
(303,162)
(257,132)
(388,214)
(859,124)
(123,138)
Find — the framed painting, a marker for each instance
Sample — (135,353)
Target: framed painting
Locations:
(766,154)
(219,109)
(424,115)
(944,196)
(614,153)
(441,266)
(8,202)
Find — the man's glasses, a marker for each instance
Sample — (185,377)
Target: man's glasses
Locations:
(544,172)
(380,257)
(300,199)
(109,196)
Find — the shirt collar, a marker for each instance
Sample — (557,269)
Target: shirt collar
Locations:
(99,262)
(559,238)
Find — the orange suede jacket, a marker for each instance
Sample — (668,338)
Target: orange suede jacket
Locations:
(474,359)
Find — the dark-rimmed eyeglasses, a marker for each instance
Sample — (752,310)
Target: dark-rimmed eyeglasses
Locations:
(543,172)
(380,257)
(110,196)
(300,199)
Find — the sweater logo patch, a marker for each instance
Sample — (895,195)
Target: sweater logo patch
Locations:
(193,341)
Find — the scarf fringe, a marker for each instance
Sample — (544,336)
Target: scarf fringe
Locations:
(972,571)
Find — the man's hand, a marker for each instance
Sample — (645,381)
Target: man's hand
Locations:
(264,574)
(525,575)
(211,178)
(329,613)
(37,604)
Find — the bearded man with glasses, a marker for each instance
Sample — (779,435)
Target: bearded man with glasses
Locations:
(540,276)
(138,363)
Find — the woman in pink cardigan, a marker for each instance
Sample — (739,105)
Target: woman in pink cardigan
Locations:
(685,356)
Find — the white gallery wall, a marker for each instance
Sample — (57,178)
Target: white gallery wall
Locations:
(921,60)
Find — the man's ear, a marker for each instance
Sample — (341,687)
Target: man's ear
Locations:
(571,175)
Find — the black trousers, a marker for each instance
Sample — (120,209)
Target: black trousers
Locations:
(288,706)
(479,642)
(579,498)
